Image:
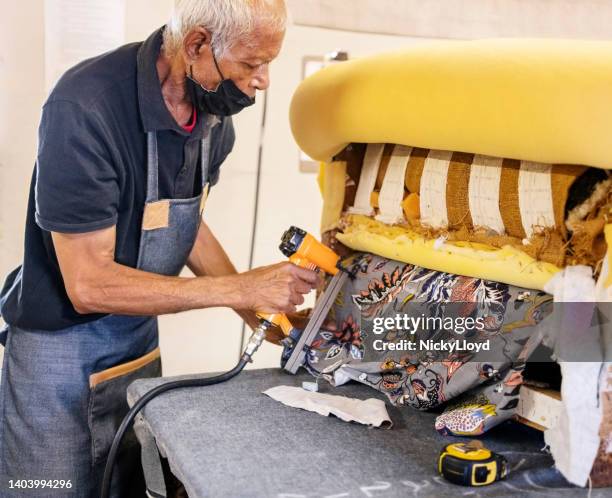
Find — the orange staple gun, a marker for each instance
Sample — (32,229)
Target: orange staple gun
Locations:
(304,250)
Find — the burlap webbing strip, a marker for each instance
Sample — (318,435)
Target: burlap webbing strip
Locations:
(414,170)
(561,179)
(457,191)
(509,198)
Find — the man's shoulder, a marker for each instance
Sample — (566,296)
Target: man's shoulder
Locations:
(91,79)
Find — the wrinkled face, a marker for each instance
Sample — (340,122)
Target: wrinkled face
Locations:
(246,63)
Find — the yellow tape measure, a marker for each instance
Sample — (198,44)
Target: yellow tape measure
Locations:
(471,464)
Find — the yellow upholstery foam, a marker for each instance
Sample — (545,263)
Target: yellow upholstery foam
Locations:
(506,265)
(332,184)
(538,100)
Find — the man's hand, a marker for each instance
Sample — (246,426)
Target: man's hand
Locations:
(276,288)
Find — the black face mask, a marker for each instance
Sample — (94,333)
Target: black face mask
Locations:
(226,100)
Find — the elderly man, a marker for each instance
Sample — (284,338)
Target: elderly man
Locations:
(130,143)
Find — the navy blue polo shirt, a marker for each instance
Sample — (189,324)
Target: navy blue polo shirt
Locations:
(91,172)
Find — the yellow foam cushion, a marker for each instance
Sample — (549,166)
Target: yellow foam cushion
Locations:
(537,100)
(506,265)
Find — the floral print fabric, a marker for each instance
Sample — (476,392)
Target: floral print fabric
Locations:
(480,389)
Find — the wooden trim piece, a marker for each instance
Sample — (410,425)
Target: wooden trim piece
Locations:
(539,408)
(529,423)
(123,369)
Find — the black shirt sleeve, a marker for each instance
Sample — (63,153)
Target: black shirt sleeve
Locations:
(224,136)
(77,184)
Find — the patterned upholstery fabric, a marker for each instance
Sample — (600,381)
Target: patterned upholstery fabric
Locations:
(480,388)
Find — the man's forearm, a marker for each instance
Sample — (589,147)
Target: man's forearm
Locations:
(208,258)
(123,290)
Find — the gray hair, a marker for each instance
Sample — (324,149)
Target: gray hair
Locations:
(226,20)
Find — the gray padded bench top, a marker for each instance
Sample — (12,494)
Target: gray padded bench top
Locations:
(231,441)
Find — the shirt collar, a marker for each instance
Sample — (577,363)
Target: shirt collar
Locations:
(153,111)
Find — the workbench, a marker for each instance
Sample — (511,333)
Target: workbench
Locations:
(232,441)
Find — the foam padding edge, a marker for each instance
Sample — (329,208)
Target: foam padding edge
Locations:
(507,265)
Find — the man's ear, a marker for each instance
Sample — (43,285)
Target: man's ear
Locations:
(195,42)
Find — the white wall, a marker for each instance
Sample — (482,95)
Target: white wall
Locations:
(467,19)
(21,96)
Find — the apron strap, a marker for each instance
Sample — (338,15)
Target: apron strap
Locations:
(205,159)
(152,168)
(211,122)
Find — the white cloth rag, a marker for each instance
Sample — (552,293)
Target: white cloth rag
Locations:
(574,440)
(372,412)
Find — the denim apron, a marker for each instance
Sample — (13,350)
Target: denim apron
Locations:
(63,393)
